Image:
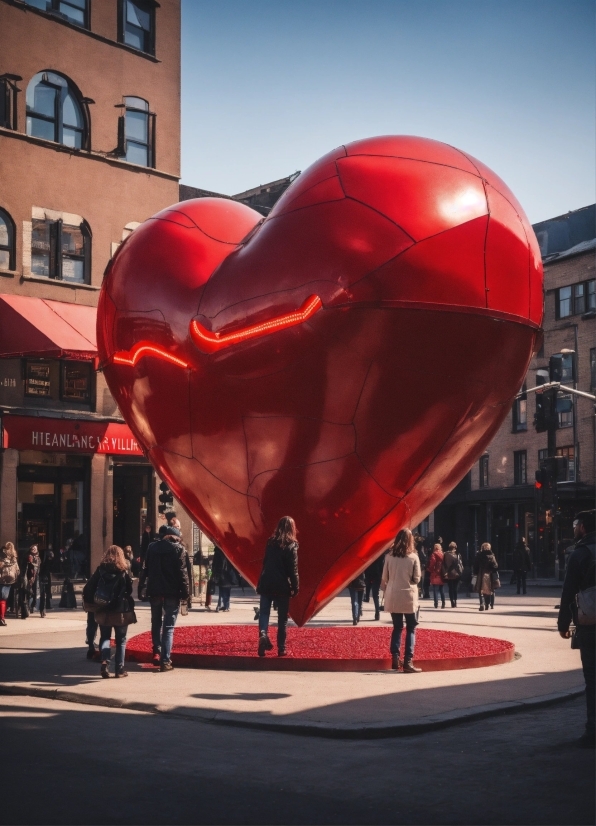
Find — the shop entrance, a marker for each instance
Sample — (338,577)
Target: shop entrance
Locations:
(133,486)
(53,509)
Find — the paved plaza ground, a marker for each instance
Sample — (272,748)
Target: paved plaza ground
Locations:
(224,747)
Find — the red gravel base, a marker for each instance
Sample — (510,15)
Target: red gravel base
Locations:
(322,649)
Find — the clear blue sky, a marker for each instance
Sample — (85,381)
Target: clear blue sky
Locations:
(268,86)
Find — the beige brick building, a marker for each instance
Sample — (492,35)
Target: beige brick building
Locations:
(496,501)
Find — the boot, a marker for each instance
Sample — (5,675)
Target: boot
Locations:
(265,644)
(2,611)
(410,668)
(396,663)
(377,615)
(105,670)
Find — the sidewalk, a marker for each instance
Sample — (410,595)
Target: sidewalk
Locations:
(47,658)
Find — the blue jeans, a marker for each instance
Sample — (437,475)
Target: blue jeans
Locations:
(223,602)
(5,591)
(439,589)
(105,632)
(398,624)
(164,613)
(283,606)
(356,597)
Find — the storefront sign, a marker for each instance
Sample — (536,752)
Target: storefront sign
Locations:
(68,436)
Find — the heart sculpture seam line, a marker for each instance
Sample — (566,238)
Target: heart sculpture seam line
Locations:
(141,349)
(209,342)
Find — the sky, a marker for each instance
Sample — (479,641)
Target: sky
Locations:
(269,86)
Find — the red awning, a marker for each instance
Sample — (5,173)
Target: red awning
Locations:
(38,328)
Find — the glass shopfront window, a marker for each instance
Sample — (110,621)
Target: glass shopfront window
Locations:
(53,508)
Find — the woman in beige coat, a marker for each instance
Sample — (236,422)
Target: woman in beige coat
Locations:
(401,574)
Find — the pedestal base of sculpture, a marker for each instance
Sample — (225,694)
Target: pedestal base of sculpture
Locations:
(322,649)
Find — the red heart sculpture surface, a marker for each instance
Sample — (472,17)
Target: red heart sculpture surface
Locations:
(344,361)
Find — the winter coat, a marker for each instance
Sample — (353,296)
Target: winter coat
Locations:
(434,567)
(122,611)
(9,568)
(579,575)
(374,572)
(279,576)
(358,584)
(401,575)
(522,561)
(450,560)
(167,575)
(223,572)
(485,562)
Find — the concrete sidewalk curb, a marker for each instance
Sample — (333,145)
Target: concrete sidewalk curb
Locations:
(355,731)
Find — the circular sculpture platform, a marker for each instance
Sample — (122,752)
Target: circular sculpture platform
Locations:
(322,649)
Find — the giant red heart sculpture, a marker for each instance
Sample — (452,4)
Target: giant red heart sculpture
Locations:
(344,361)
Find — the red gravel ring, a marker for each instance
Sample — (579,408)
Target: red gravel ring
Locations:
(322,649)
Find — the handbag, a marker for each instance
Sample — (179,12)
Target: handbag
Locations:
(586,606)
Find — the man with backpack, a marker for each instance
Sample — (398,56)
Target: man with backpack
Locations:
(577,604)
(167,585)
(453,568)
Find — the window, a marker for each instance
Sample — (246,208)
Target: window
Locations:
(576,299)
(37,379)
(593,368)
(75,11)
(7,242)
(138,127)
(542,455)
(565,410)
(61,251)
(520,463)
(138,24)
(520,412)
(76,382)
(8,100)
(483,467)
(54,112)
(569,453)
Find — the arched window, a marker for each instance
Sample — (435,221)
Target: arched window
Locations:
(54,111)
(7,241)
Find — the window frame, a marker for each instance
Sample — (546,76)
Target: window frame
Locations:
(58,118)
(53,8)
(520,467)
(581,299)
(56,254)
(149,7)
(12,240)
(483,471)
(123,140)
(64,397)
(519,426)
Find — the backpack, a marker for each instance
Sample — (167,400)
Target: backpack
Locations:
(586,599)
(10,574)
(107,591)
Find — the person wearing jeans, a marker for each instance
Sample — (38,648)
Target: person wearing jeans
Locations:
(401,575)
(356,589)
(223,602)
(105,650)
(167,586)
(435,566)
(278,583)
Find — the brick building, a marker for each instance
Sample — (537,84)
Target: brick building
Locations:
(89,148)
(496,501)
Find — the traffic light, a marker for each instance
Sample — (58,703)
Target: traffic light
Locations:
(546,416)
(166,497)
(552,470)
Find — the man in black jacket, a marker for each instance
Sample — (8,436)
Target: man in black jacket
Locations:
(167,585)
(522,564)
(579,576)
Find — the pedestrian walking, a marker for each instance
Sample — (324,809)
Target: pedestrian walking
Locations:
(35,562)
(278,583)
(110,591)
(577,604)
(423,558)
(399,581)
(486,576)
(9,575)
(225,577)
(25,585)
(147,538)
(522,563)
(373,575)
(435,567)
(45,583)
(453,568)
(356,589)
(167,585)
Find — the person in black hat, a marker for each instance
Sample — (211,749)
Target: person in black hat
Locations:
(577,588)
(167,585)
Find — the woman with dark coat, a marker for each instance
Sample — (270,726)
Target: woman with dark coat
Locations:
(278,582)
(113,579)
(453,567)
(225,577)
(45,583)
(373,575)
(485,568)
(356,589)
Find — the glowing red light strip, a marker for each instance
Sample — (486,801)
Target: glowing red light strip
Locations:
(131,357)
(209,342)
